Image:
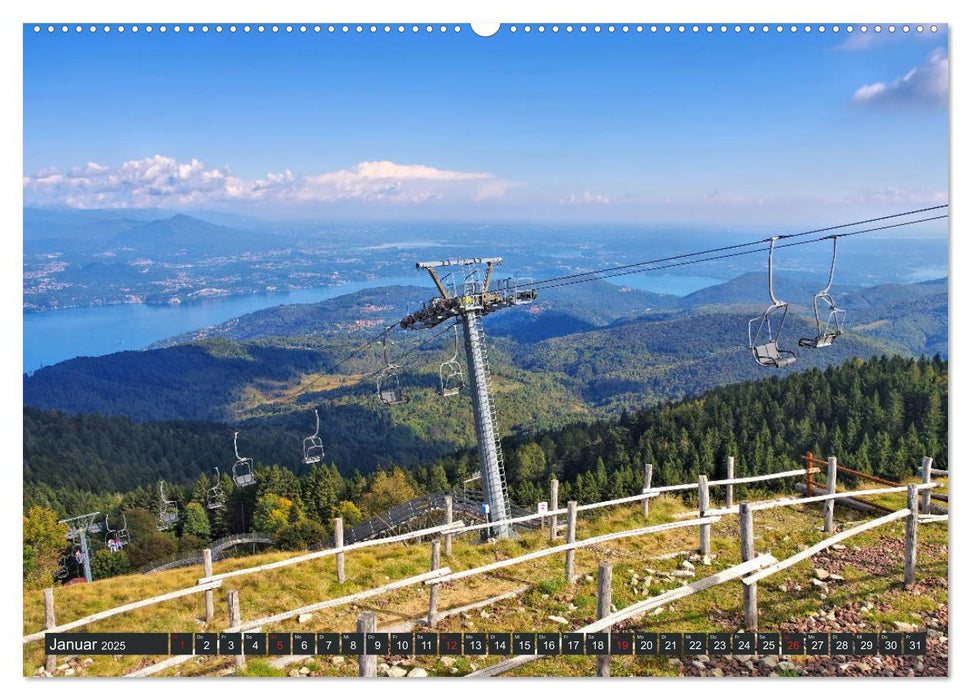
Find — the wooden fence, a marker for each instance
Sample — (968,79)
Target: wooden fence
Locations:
(833,469)
(336,551)
(752,569)
(209,580)
(438,576)
(639,608)
(128,607)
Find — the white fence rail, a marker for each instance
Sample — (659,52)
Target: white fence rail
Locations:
(441,529)
(128,607)
(825,544)
(638,608)
(569,546)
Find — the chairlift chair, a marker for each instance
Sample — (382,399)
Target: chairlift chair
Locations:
(313,446)
(123,535)
(451,379)
(215,496)
(243,468)
(826,331)
(763,339)
(389,387)
(519,290)
(388,382)
(168,514)
(115,540)
(62,571)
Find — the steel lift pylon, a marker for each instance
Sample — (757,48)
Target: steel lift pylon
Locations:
(468,300)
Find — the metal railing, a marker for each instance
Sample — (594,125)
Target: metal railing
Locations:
(194,556)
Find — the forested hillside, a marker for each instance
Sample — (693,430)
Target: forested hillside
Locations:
(880,416)
(598,347)
(633,363)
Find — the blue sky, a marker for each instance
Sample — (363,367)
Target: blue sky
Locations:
(735,128)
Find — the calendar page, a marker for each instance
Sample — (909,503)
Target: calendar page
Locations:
(439,349)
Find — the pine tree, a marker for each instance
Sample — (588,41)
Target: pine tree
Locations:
(196,522)
(437,480)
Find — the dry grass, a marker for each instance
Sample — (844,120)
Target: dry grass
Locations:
(270,392)
(783,531)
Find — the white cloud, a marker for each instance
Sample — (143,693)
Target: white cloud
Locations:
(587,198)
(924,85)
(163,181)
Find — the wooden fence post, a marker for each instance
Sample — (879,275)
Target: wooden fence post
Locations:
(448,521)
(49,621)
(910,541)
(730,488)
(809,476)
(554,505)
(367,666)
(829,505)
(750,592)
(433,588)
(704,531)
(925,473)
(338,544)
(648,478)
(604,599)
(209,595)
(235,620)
(571,536)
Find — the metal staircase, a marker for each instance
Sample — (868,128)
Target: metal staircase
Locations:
(428,511)
(195,556)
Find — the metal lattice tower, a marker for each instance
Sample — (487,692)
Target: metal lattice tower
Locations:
(475,301)
(80,526)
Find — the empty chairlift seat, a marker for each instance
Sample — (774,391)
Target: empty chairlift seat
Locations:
(764,331)
(451,378)
(243,475)
(168,513)
(388,382)
(215,496)
(769,355)
(829,320)
(313,446)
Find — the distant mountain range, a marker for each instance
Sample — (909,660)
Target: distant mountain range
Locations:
(138,234)
(604,347)
(89,258)
(578,353)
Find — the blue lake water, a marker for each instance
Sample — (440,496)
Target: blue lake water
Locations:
(54,336)
(678,285)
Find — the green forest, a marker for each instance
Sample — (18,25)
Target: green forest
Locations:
(879,416)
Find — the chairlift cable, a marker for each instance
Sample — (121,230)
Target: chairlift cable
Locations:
(415,349)
(732,255)
(641,267)
(599,274)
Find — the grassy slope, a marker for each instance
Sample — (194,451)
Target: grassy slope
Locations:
(781,531)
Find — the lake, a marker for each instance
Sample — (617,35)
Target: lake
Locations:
(54,336)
